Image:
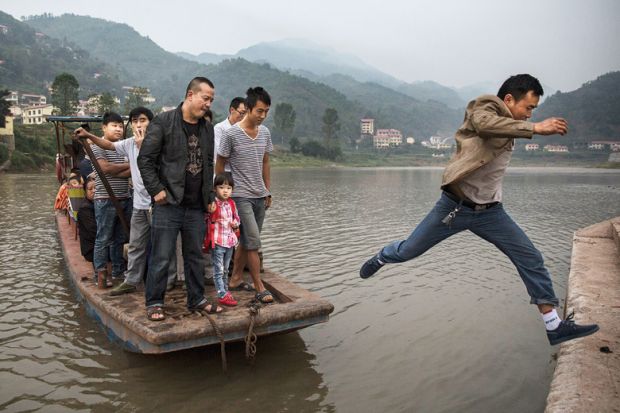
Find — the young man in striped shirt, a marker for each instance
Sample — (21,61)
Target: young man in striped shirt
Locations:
(246,147)
(110,234)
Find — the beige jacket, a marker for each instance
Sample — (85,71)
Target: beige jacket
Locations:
(487,128)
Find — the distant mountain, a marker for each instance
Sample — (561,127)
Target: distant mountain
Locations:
(470,92)
(592,111)
(206,58)
(296,54)
(313,61)
(144,63)
(31,61)
(432,91)
(389,108)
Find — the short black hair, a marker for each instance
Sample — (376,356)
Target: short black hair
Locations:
(519,85)
(140,110)
(111,117)
(195,82)
(223,179)
(254,94)
(234,104)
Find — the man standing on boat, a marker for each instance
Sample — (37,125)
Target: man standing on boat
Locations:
(140,232)
(176,163)
(236,112)
(472,195)
(110,234)
(246,147)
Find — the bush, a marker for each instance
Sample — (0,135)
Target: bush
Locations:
(313,148)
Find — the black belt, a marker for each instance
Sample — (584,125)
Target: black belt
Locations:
(469,203)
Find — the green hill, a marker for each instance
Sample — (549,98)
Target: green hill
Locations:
(390,108)
(592,111)
(31,61)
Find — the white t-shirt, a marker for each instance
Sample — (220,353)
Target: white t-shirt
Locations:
(128,148)
(219,130)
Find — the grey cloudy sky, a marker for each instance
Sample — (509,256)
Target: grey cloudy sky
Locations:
(563,42)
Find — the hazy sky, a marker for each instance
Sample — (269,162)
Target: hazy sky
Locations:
(454,42)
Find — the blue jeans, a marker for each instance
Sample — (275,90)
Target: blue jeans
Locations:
(493,225)
(110,235)
(221,261)
(168,220)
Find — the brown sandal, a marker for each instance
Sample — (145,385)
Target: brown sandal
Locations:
(155,313)
(212,308)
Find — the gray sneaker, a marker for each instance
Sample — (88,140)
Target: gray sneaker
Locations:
(123,288)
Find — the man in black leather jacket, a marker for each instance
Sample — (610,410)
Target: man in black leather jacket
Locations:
(176,163)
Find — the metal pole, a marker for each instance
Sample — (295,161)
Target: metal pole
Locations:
(106,184)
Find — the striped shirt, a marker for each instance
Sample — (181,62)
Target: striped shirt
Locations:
(245,156)
(120,186)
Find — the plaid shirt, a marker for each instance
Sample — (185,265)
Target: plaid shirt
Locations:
(223,234)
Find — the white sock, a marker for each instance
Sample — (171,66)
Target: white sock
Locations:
(552,320)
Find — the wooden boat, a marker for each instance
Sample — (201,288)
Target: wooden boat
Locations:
(124,317)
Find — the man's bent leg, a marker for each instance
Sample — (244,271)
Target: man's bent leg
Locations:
(167,221)
(496,226)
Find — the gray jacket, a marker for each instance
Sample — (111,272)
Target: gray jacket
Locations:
(163,157)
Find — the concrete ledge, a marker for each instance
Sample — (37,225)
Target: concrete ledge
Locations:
(587,379)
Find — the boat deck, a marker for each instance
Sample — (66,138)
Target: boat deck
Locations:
(124,317)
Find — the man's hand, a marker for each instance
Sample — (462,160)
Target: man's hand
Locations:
(211,207)
(160,198)
(81,133)
(551,126)
(267,202)
(138,136)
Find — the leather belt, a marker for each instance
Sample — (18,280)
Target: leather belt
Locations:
(469,203)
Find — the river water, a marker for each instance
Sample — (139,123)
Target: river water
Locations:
(449,332)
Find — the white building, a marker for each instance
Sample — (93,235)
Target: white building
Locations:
(532,147)
(35,115)
(555,148)
(386,138)
(410,140)
(438,142)
(367,126)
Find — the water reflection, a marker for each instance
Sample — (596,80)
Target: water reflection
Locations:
(429,335)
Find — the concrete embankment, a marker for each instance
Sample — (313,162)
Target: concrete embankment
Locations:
(587,376)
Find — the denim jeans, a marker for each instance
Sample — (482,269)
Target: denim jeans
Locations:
(493,225)
(168,220)
(110,235)
(139,244)
(221,260)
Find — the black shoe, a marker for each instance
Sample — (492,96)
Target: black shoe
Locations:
(568,330)
(370,267)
